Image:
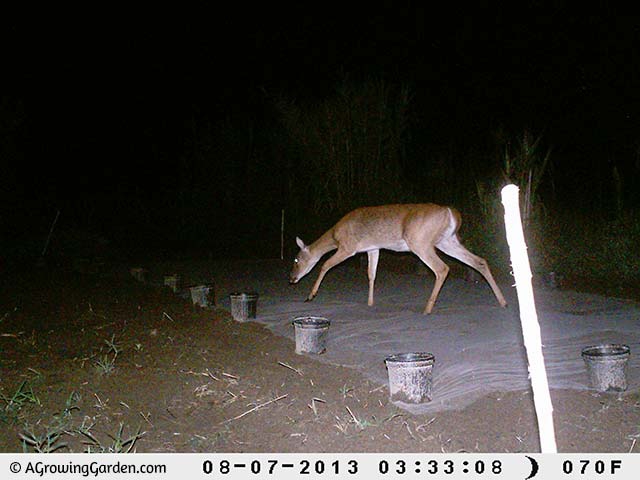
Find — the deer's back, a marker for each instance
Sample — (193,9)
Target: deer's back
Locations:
(387,226)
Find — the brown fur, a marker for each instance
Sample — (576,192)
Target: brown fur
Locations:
(419,228)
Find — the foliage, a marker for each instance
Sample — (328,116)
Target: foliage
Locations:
(593,247)
(348,147)
(525,166)
(23,396)
(119,442)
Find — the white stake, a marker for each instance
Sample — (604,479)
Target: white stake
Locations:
(529,319)
(53,225)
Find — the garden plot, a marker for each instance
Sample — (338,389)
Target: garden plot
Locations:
(477,345)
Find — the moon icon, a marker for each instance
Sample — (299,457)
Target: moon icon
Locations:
(534,467)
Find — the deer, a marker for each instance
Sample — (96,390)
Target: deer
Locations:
(417,228)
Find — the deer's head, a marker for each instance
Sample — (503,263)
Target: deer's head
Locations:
(303,263)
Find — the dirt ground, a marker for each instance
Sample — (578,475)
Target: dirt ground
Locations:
(91,360)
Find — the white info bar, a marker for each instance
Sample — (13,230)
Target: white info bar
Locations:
(366,466)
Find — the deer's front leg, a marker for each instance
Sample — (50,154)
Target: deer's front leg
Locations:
(338,257)
(373,267)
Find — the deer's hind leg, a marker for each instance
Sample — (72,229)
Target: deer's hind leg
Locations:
(428,255)
(452,246)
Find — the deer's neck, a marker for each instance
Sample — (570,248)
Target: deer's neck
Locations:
(324,244)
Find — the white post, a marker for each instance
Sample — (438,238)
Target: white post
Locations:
(529,319)
(53,225)
(282,235)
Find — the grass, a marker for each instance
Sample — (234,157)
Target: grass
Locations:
(346,391)
(57,434)
(113,346)
(51,437)
(47,442)
(106,364)
(584,249)
(361,423)
(119,442)
(23,396)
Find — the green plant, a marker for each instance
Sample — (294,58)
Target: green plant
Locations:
(105,365)
(525,166)
(12,405)
(523,163)
(70,405)
(346,390)
(113,346)
(118,444)
(601,249)
(47,442)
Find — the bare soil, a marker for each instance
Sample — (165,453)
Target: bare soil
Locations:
(95,361)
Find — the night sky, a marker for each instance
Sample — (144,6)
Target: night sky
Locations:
(102,108)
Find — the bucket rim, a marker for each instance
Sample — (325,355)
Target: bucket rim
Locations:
(311,321)
(247,295)
(411,357)
(605,350)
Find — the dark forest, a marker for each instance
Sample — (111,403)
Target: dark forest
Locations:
(196,135)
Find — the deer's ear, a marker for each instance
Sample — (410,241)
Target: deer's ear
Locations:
(300,243)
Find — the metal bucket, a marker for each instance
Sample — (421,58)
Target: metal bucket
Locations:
(410,377)
(173,282)
(203,295)
(311,334)
(243,306)
(607,365)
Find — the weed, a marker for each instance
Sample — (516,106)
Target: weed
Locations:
(360,423)
(47,442)
(345,391)
(525,165)
(118,444)
(71,404)
(106,365)
(113,346)
(23,395)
